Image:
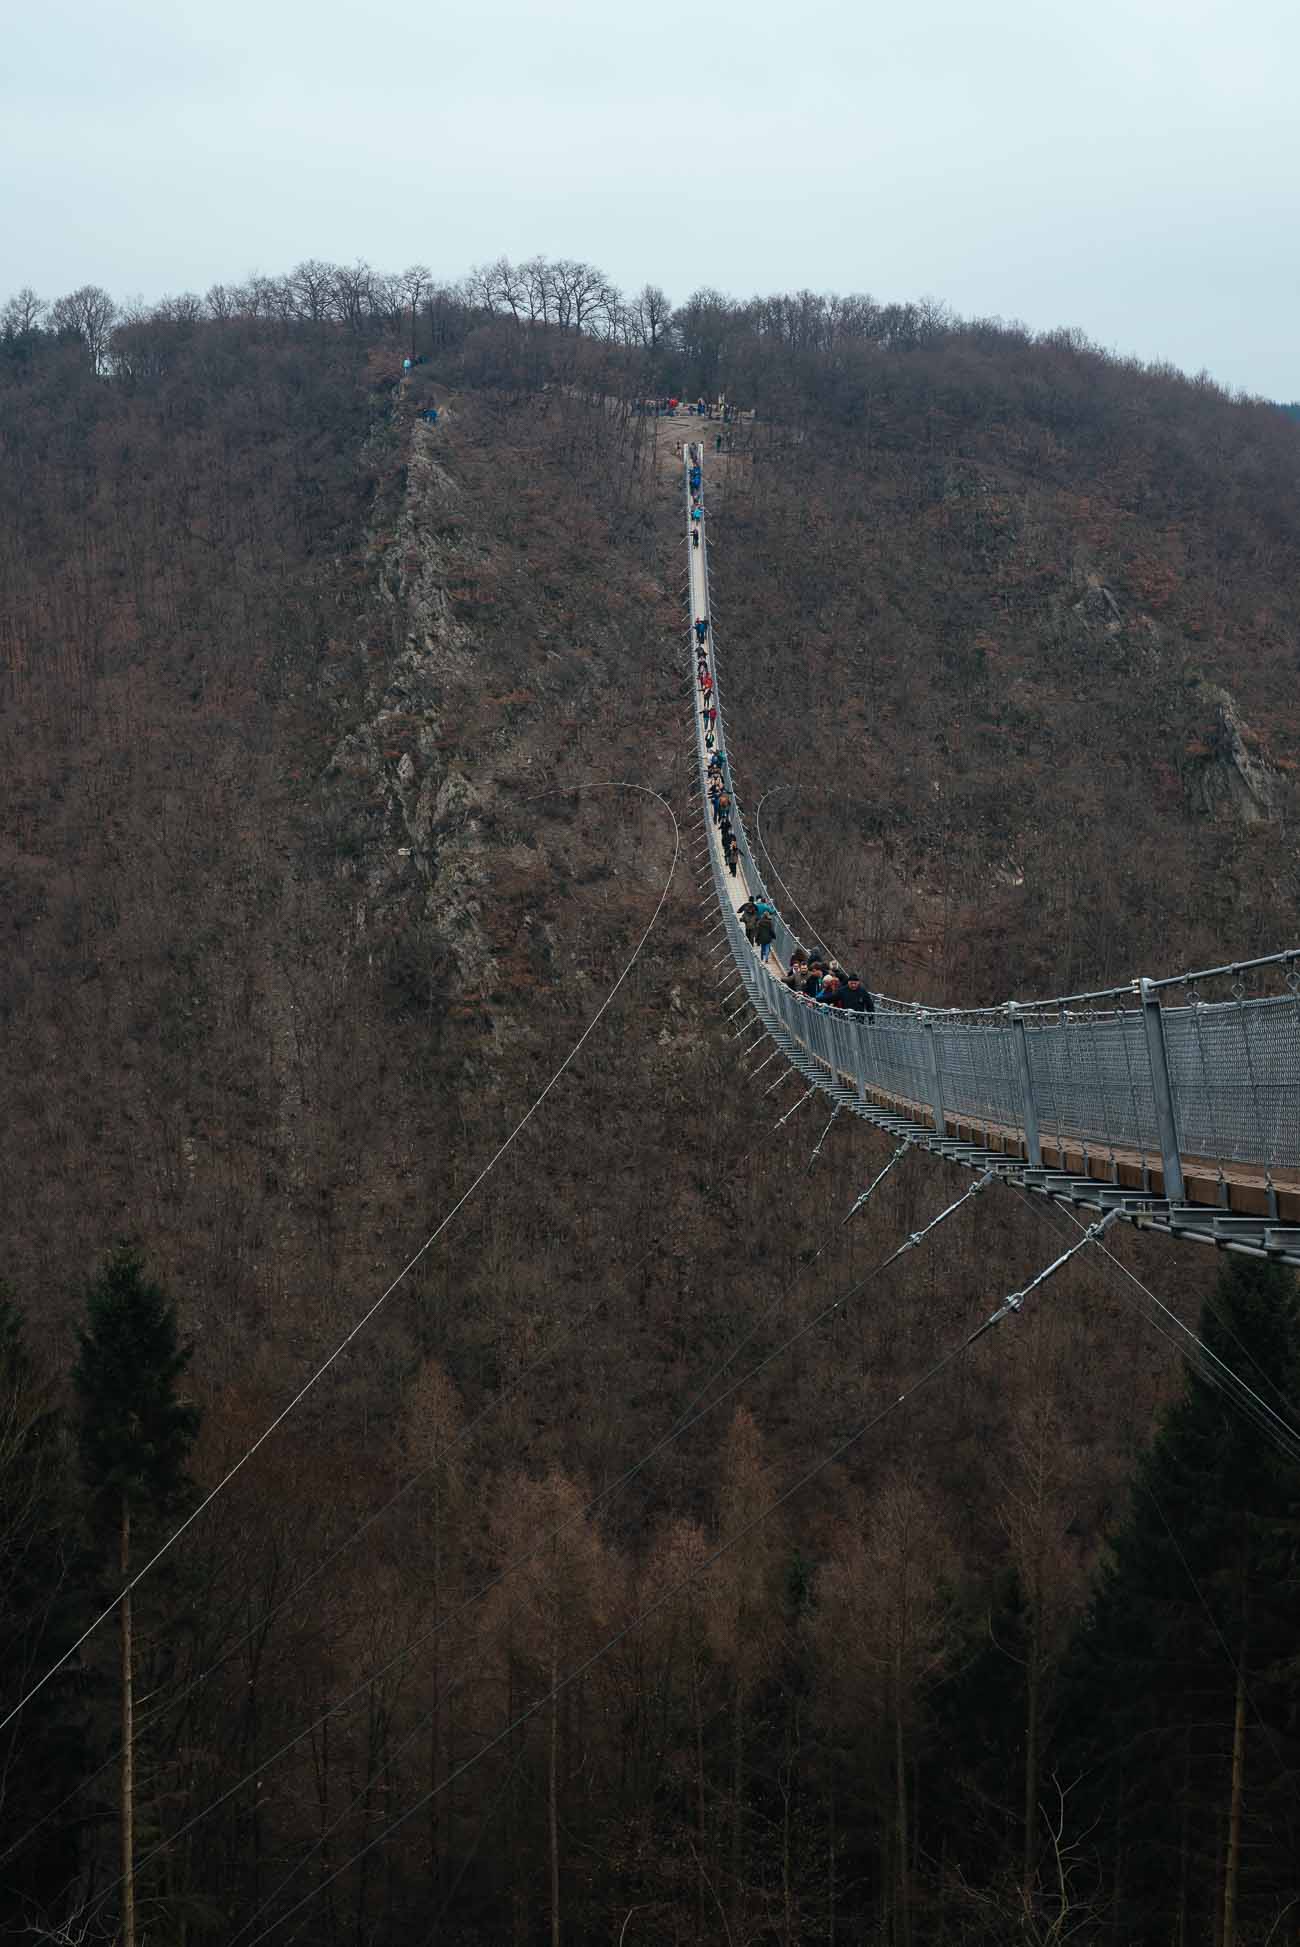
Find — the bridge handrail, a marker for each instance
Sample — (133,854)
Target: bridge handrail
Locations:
(1116,1070)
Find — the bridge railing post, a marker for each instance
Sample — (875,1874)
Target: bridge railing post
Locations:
(1161,1089)
(1028,1105)
(931,1047)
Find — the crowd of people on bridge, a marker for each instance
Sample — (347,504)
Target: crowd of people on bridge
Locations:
(813,977)
(825,980)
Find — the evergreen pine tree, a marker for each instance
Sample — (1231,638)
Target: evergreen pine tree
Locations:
(1183,1681)
(135,1439)
(41,1750)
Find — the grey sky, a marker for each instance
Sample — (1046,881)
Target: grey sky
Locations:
(1128,166)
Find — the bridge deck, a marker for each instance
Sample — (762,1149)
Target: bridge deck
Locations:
(1234,1202)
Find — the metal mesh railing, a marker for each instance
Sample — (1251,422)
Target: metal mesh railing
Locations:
(1114,1072)
(1235,1070)
(1091,1082)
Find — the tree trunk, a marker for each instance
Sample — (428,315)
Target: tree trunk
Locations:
(904,1930)
(1033,1693)
(552,1789)
(128,1738)
(435,1712)
(701,1806)
(1234,1806)
(831,1838)
(737,1805)
(787,1827)
(1184,1842)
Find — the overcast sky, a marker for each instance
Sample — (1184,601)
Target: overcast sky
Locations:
(1131,167)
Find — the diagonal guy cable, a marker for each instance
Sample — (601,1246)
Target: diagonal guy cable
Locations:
(1214,1370)
(694,1412)
(817,1149)
(1011,1304)
(360,1325)
(874,1184)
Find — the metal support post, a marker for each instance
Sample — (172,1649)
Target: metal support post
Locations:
(932,1069)
(1161,1089)
(1028,1106)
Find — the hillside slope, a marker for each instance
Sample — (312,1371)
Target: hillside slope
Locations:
(307,900)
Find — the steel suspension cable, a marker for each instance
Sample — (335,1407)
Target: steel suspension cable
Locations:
(1012,1303)
(355,1330)
(693,1414)
(1214,1370)
(866,1195)
(813,936)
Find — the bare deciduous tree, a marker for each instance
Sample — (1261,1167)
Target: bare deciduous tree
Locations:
(651,313)
(89,314)
(22,312)
(312,284)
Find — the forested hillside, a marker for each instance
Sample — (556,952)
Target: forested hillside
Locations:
(307,665)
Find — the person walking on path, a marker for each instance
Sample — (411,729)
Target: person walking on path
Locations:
(764,932)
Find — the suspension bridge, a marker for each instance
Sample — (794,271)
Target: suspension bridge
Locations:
(1149,1102)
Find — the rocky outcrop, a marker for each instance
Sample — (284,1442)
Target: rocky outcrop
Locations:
(397,753)
(1231,774)
(1098,605)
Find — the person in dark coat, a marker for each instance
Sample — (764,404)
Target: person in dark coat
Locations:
(856,996)
(748,918)
(764,934)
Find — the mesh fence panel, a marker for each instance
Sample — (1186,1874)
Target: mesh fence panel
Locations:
(978,1075)
(1235,1071)
(1092,1081)
(1234,1067)
(895,1058)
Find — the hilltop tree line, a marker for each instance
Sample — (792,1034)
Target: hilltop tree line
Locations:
(706,342)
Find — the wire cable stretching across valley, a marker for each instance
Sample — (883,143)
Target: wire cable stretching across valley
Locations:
(360,1325)
(694,1412)
(1214,1370)
(1010,1305)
